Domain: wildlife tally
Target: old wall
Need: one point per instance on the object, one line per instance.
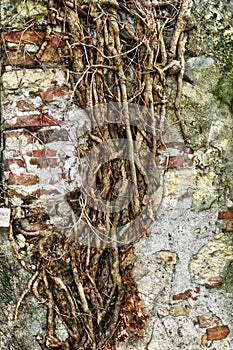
(184, 268)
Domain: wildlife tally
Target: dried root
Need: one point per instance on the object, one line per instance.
(117, 51)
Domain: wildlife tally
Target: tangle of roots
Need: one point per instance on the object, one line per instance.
(116, 51)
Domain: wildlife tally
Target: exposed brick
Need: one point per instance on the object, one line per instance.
(225, 215)
(56, 41)
(50, 153)
(29, 198)
(229, 227)
(49, 94)
(35, 153)
(9, 162)
(18, 58)
(218, 332)
(25, 106)
(205, 321)
(172, 162)
(22, 179)
(45, 162)
(33, 94)
(29, 36)
(42, 153)
(32, 121)
(182, 296)
(13, 46)
(188, 150)
(12, 134)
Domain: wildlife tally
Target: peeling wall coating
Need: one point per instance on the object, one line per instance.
(184, 268)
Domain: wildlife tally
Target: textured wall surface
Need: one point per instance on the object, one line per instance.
(184, 269)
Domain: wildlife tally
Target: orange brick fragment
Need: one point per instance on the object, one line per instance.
(229, 227)
(218, 332)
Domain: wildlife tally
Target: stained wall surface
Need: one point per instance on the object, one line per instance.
(184, 269)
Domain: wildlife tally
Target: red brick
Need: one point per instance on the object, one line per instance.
(28, 36)
(50, 153)
(229, 227)
(33, 94)
(42, 153)
(182, 296)
(172, 162)
(188, 150)
(36, 153)
(17, 134)
(225, 215)
(10, 162)
(44, 162)
(49, 94)
(25, 106)
(18, 58)
(23, 179)
(13, 47)
(218, 332)
(56, 41)
(205, 321)
(32, 121)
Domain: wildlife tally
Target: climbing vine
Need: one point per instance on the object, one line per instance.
(115, 52)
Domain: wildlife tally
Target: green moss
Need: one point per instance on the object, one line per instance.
(224, 88)
(32, 9)
(227, 276)
(19, 14)
(215, 33)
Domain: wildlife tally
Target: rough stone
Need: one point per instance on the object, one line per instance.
(29, 78)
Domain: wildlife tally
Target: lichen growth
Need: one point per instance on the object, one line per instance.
(215, 32)
(23, 14)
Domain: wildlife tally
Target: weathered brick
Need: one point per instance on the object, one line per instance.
(188, 150)
(182, 296)
(49, 94)
(42, 153)
(11, 136)
(225, 215)
(229, 227)
(18, 58)
(11, 162)
(210, 320)
(22, 179)
(13, 46)
(29, 36)
(25, 106)
(32, 121)
(56, 40)
(44, 162)
(172, 162)
(218, 332)
(189, 293)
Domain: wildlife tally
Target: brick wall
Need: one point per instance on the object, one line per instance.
(37, 103)
(41, 166)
